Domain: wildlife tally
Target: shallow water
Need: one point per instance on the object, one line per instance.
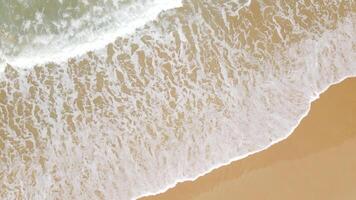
(39, 31)
(203, 84)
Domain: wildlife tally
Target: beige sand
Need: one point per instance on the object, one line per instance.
(318, 161)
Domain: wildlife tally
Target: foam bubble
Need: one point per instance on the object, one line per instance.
(78, 36)
(202, 86)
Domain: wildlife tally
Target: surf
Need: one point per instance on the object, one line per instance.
(37, 36)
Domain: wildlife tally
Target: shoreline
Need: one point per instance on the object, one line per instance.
(216, 171)
(173, 102)
(313, 99)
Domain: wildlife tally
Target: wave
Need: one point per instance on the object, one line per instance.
(205, 84)
(321, 44)
(65, 36)
(172, 185)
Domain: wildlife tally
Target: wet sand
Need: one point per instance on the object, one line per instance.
(316, 162)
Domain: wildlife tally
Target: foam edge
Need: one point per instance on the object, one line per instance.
(312, 99)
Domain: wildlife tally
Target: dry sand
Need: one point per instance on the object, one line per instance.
(318, 161)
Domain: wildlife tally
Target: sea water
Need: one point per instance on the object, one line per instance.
(40, 31)
(121, 99)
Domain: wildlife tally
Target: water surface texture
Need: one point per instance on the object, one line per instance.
(205, 83)
(39, 31)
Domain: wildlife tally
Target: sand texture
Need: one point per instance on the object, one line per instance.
(316, 162)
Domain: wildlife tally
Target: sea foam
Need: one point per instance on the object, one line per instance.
(205, 84)
(75, 37)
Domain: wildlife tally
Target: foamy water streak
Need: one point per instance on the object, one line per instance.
(41, 31)
(201, 86)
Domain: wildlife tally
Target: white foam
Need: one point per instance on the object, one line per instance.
(247, 154)
(58, 52)
(324, 42)
(261, 110)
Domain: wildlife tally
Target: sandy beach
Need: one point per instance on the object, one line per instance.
(316, 162)
(123, 99)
